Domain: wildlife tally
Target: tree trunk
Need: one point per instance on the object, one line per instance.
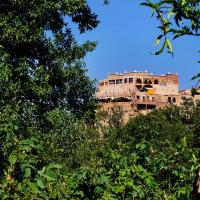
(195, 194)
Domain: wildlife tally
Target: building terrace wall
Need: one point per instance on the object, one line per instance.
(125, 84)
(140, 92)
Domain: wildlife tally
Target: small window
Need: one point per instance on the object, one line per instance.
(169, 99)
(139, 87)
(130, 80)
(125, 80)
(156, 82)
(111, 82)
(174, 100)
(138, 81)
(118, 81)
(151, 107)
(141, 107)
(101, 84)
(138, 97)
(147, 81)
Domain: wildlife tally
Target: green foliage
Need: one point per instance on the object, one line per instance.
(39, 71)
(165, 143)
(151, 157)
(45, 94)
(42, 67)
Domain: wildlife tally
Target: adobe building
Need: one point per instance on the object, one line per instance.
(135, 92)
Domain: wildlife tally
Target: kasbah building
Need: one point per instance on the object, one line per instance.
(140, 92)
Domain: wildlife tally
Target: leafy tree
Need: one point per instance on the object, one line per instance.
(165, 143)
(41, 64)
(44, 87)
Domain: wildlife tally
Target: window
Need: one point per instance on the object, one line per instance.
(169, 99)
(118, 81)
(151, 107)
(156, 82)
(139, 87)
(141, 107)
(125, 80)
(111, 82)
(138, 97)
(101, 84)
(147, 81)
(174, 100)
(138, 81)
(130, 80)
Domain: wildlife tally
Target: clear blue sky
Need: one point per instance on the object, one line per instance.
(126, 37)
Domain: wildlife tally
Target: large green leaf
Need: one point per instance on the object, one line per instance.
(12, 158)
(34, 187)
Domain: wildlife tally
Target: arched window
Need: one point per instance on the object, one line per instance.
(130, 80)
(174, 100)
(138, 80)
(149, 82)
(139, 87)
(156, 82)
(169, 99)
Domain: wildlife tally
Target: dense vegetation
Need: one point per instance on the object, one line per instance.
(49, 133)
(152, 157)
